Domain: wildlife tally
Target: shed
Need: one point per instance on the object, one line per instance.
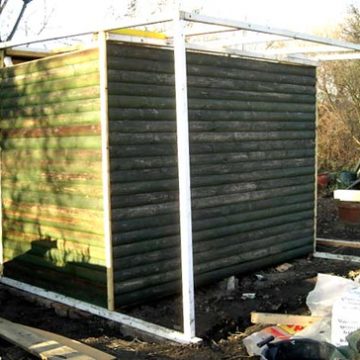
(119, 183)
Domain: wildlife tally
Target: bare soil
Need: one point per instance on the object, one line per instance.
(223, 317)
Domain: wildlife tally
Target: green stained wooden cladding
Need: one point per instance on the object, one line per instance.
(252, 151)
(51, 174)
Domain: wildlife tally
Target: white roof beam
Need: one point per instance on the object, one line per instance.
(240, 25)
(304, 50)
(123, 25)
(336, 57)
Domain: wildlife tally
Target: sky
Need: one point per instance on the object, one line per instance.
(72, 15)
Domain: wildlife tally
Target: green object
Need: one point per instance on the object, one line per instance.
(346, 178)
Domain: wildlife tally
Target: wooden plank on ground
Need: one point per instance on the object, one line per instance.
(338, 243)
(40, 344)
(76, 345)
(284, 319)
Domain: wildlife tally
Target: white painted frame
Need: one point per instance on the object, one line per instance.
(183, 157)
(179, 41)
(138, 324)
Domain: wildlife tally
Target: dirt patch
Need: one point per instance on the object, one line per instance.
(222, 316)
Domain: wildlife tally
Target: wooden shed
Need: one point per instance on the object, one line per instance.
(125, 177)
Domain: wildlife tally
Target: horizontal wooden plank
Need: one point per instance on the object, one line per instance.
(142, 77)
(62, 155)
(203, 259)
(165, 208)
(271, 202)
(84, 118)
(167, 137)
(52, 210)
(170, 264)
(133, 52)
(93, 226)
(170, 242)
(133, 126)
(154, 232)
(208, 169)
(142, 162)
(200, 216)
(63, 237)
(48, 166)
(59, 131)
(249, 196)
(211, 276)
(52, 62)
(56, 188)
(207, 115)
(121, 101)
(122, 88)
(260, 252)
(156, 66)
(62, 200)
(249, 64)
(21, 99)
(53, 109)
(58, 251)
(66, 71)
(50, 85)
(127, 150)
(58, 143)
(124, 201)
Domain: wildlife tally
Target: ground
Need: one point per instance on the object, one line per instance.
(223, 317)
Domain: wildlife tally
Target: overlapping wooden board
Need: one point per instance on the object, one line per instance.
(47, 345)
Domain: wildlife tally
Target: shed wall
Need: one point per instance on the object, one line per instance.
(252, 144)
(51, 175)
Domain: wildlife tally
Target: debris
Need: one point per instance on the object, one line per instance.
(271, 318)
(232, 284)
(260, 277)
(255, 342)
(283, 267)
(248, 296)
(332, 332)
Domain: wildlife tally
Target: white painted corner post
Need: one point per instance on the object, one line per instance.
(183, 153)
(105, 168)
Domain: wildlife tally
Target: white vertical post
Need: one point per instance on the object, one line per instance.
(182, 126)
(105, 168)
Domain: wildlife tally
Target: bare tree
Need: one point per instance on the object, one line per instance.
(3, 5)
(339, 90)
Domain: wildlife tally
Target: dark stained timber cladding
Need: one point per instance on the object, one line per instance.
(51, 175)
(252, 144)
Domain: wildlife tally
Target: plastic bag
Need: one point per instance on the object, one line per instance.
(327, 290)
